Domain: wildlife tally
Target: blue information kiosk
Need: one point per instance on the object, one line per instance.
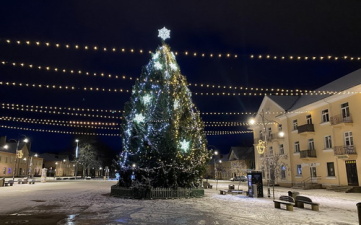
(255, 185)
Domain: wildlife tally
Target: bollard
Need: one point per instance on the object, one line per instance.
(359, 212)
(269, 192)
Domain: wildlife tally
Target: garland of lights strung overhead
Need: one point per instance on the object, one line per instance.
(292, 57)
(275, 91)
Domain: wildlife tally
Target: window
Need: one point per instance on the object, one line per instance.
(260, 134)
(295, 124)
(348, 138)
(345, 110)
(309, 119)
(297, 146)
(270, 150)
(269, 133)
(328, 142)
(325, 116)
(311, 144)
(279, 127)
(330, 169)
(299, 170)
(283, 172)
(282, 150)
(6, 159)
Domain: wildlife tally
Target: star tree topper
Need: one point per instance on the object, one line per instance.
(164, 33)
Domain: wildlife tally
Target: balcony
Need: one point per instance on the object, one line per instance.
(339, 120)
(305, 154)
(345, 152)
(306, 128)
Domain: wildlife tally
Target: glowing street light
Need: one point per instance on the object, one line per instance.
(76, 158)
(19, 153)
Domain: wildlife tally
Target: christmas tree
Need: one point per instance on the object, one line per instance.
(164, 144)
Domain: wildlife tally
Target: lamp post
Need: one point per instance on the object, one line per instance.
(76, 157)
(19, 153)
(56, 163)
(31, 175)
(262, 146)
(215, 167)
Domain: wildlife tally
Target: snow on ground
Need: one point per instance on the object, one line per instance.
(88, 202)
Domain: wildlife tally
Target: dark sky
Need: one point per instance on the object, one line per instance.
(289, 28)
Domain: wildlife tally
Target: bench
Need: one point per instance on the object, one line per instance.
(10, 183)
(237, 192)
(286, 200)
(302, 200)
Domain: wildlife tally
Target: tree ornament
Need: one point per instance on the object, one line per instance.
(139, 118)
(158, 66)
(184, 145)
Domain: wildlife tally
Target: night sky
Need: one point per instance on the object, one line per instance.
(281, 28)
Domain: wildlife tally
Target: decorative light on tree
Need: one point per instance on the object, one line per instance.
(158, 66)
(184, 145)
(146, 99)
(139, 118)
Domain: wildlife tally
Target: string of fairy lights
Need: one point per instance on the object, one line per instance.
(102, 125)
(57, 109)
(71, 111)
(108, 134)
(116, 90)
(98, 48)
(255, 91)
(54, 111)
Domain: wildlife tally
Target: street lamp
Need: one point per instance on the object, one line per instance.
(215, 166)
(262, 147)
(56, 163)
(19, 153)
(76, 157)
(31, 175)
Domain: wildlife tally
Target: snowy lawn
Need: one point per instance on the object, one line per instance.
(88, 202)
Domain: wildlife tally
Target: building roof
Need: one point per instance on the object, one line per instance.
(292, 103)
(54, 157)
(285, 102)
(242, 153)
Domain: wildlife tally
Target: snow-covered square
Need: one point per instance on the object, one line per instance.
(88, 202)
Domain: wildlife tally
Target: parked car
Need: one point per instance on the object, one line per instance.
(239, 178)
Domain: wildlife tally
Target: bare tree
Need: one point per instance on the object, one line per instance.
(88, 158)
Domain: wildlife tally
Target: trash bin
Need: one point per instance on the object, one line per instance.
(359, 212)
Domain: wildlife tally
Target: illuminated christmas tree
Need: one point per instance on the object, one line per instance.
(164, 144)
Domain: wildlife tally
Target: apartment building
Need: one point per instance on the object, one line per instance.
(16, 159)
(322, 135)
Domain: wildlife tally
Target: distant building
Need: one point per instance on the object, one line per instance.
(58, 165)
(321, 141)
(17, 160)
(236, 163)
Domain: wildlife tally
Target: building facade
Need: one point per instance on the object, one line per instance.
(238, 162)
(322, 135)
(16, 159)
